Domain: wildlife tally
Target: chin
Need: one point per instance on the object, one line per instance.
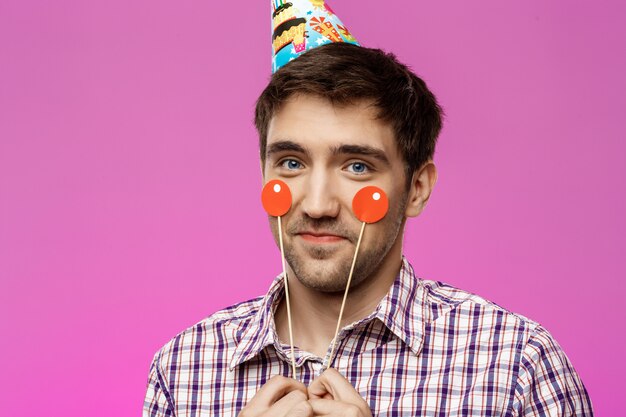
(324, 275)
(325, 268)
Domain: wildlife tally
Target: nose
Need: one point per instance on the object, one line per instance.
(319, 198)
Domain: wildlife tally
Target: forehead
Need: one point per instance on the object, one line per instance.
(319, 125)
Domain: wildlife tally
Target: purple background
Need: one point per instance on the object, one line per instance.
(129, 178)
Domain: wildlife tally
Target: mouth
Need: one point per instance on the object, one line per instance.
(320, 237)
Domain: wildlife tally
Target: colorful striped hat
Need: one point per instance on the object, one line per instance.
(300, 25)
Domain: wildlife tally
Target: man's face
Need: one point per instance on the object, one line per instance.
(326, 154)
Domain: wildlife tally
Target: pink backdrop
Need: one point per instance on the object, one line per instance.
(129, 179)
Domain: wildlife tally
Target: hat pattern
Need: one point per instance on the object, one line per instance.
(300, 25)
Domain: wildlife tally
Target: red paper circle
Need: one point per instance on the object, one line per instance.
(276, 198)
(370, 204)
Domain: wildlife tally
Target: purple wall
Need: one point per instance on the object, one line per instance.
(129, 179)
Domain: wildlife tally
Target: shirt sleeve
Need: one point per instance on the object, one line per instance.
(548, 384)
(158, 401)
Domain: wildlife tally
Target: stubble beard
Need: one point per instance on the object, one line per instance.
(332, 277)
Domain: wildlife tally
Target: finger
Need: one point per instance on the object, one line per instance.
(276, 388)
(333, 383)
(334, 408)
(293, 404)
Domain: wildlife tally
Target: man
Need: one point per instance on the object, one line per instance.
(334, 120)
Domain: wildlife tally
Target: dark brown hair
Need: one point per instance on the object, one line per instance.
(345, 74)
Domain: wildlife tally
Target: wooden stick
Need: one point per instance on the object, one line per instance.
(282, 255)
(345, 296)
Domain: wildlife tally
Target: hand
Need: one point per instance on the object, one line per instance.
(279, 397)
(332, 395)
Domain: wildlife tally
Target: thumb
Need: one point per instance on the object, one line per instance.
(320, 389)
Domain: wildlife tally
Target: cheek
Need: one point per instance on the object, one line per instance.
(389, 225)
(273, 222)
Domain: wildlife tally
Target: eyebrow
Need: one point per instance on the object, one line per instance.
(364, 150)
(285, 146)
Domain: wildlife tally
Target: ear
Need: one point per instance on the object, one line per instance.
(422, 184)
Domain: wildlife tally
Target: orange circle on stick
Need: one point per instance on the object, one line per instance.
(370, 204)
(276, 198)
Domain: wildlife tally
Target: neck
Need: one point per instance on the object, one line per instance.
(314, 314)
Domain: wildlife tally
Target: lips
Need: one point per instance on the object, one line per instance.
(320, 237)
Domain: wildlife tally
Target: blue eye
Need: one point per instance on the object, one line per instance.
(358, 168)
(291, 164)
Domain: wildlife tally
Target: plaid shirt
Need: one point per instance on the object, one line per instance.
(428, 349)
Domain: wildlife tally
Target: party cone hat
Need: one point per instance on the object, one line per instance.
(300, 25)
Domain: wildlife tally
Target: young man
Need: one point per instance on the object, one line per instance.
(336, 119)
